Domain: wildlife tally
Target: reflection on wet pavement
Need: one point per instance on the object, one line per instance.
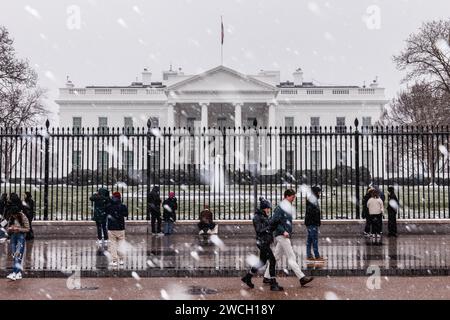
(197, 255)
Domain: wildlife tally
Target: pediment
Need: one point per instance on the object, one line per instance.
(221, 79)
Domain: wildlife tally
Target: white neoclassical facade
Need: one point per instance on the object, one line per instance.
(220, 97)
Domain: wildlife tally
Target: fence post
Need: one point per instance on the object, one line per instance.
(46, 167)
(147, 210)
(357, 174)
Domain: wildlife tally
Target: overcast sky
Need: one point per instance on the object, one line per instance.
(335, 42)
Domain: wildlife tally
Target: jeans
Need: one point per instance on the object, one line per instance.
(265, 254)
(156, 219)
(101, 227)
(313, 240)
(168, 227)
(17, 250)
(284, 247)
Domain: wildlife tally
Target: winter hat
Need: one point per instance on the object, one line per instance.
(171, 194)
(316, 189)
(264, 204)
(117, 194)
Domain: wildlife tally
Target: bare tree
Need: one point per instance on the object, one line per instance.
(20, 101)
(427, 55)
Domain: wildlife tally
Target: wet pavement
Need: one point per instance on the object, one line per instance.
(195, 256)
(331, 288)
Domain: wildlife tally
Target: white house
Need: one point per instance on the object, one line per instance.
(223, 97)
(220, 97)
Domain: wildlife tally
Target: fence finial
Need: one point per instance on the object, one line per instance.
(47, 124)
(356, 122)
(149, 123)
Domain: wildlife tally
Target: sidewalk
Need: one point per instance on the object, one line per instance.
(194, 256)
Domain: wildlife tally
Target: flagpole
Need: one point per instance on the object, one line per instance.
(221, 41)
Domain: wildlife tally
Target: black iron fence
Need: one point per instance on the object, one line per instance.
(227, 168)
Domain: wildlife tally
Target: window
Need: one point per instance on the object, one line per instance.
(128, 124)
(366, 123)
(315, 124)
(102, 160)
(76, 160)
(154, 160)
(154, 122)
(290, 161)
(315, 160)
(127, 160)
(367, 159)
(76, 123)
(340, 124)
(222, 122)
(250, 122)
(289, 122)
(341, 158)
(102, 124)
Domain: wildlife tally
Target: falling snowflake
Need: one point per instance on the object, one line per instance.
(194, 255)
(135, 275)
(33, 12)
(122, 23)
(252, 260)
(330, 295)
(244, 293)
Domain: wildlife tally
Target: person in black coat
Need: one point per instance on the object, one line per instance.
(365, 210)
(3, 204)
(28, 210)
(393, 206)
(169, 213)
(154, 207)
(312, 223)
(264, 238)
(116, 213)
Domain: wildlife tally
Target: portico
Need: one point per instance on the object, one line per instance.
(221, 97)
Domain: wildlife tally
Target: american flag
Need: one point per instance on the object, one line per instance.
(222, 34)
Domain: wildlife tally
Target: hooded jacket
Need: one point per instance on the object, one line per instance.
(116, 213)
(154, 201)
(312, 215)
(281, 220)
(263, 228)
(101, 202)
(169, 209)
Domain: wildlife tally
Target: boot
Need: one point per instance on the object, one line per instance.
(247, 279)
(274, 286)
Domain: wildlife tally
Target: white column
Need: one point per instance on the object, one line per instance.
(275, 159)
(238, 115)
(170, 115)
(272, 114)
(204, 121)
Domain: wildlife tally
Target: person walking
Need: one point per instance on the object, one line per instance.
(281, 222)
(392, 209)
(28, 210)
(376, 210)
(264, 239)
(312, 223)
(17, 228)
(116, 213)
(101, 201)
(169, 213)
(154, 203)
